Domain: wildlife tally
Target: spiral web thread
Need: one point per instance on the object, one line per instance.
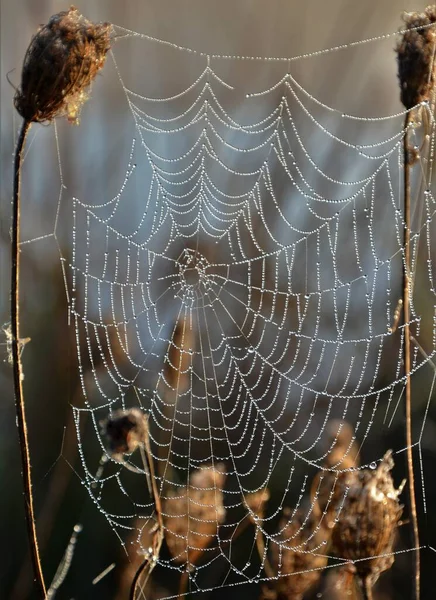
(243, 296)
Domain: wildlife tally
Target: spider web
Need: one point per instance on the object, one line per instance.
(241, 288)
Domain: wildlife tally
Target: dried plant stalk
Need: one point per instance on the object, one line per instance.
(407, 355)
(366, 528)
(17, 366)
(127, 430)
(60, 63)
(417, 75)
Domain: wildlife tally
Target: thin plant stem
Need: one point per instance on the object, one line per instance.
(144, 571)
(17, 366)
(407, 359)
(366, 587)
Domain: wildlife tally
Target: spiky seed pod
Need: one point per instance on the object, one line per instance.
(192, 515)
(62, 60)
(367, 523)
(125, 430)
(297, 555)
(416, 57)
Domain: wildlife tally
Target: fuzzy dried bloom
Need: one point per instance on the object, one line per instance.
(416, 57)
(62, 60)
(367, 523)
(125, 430)
(192, 515)
(298, 555)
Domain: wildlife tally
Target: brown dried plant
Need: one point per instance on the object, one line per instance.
(298, 555)
(367, 522)
(127, 430)
(416, 53)
(192, 514)
(416, 57)
(343, 455)
(62, 60)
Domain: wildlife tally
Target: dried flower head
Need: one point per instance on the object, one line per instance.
(62, 60)
(416, 57)
(192, 515)
(298, 556)
(125, 430)
(367, 523)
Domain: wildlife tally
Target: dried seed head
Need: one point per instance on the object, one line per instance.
(298, 555)
(367, 524)
(192, 515)
(416, 57)
(125, 430)
(62, 60)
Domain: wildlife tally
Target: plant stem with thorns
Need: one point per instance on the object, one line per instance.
(16, 363)
(407, 361)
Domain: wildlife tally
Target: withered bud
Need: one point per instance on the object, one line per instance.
(416, 57)
(125, 430)
(61, 61)
(367, 523)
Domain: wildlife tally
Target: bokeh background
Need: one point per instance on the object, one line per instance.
(359, 80)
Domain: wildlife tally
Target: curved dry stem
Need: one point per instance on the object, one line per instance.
(17, 366)
(143, 573)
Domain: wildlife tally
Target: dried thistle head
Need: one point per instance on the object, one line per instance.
(416, 57)
(192, 515)
(298, 555)
(125, 430)
(61, 61)
(367, 523)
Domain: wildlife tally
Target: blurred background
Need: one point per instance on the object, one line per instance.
(90, 168)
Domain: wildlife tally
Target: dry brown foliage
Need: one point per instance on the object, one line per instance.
(298, 555)
(192, 514)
